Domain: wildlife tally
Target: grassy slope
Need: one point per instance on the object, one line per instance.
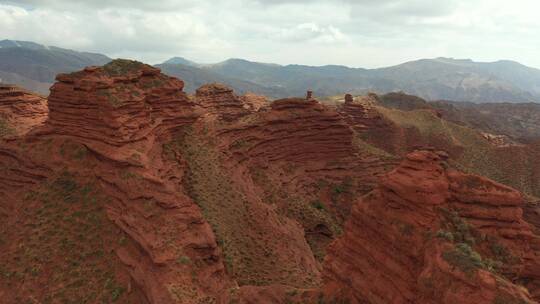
(62, 246)
(469, 149)
(249, 250)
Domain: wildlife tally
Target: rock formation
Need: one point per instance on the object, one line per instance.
(349, 99)
(301, 157)
(20, 111)
(109, 124)
(429, 234)
(117, 104)
(133, 192)
(220, 100)
(254, 102)
(361, 114)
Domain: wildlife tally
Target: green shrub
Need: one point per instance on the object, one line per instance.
(318, 205)
(447, 235)
(184, 260)
(5, 129)
(119, 67)
(465, 258)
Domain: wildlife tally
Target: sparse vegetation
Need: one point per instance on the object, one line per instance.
(249, 251)
(5, 129)
(342, 188)
(119, 67)
(63, 238)
(464, 258)
(318, 205)
(184, 260)
(152, 83)
(460, 233)
(111, 96)
(457, 229)
(506, 299)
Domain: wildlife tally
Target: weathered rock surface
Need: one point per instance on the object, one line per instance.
(254, 102)
(220, 100)
(298, 143)
(109, 124)
(134, 192)
(429, 234)
(20, 111)
(120, 103)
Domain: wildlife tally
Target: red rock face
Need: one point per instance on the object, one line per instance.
(119, 103)
(254, 102)
(300, 142)
(362, 115)
(20, 111)
(108, 126)
(251, 156)
(135, 193)
(298, 157)
(432, 235)
(220, 100)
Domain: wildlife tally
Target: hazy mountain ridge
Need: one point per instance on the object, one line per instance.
(440, 78)
(194, 77)
(34, 67)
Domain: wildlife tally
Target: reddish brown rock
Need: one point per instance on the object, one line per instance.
(348, 98)
(220, 100)
(361, 113)
(300, 130)
(118, 103)
(254, 102)
(143, 195)
(301, 157)
(20, 111)
(432, 235)
(108, 125)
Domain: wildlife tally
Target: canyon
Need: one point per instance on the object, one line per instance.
(121, 187)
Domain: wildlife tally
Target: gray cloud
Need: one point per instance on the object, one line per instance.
(93, 4)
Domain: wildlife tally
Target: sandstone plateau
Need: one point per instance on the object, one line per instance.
(121, 188)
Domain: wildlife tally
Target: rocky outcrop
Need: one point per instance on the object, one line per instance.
(20, 111)
(220, 100)
(429, 234)
(294, 131)
(500, 141)
(239, 166)
(134, 192)
(121, 102)
(254, 102)
(361, 114)
(108, 125)
(300, 157)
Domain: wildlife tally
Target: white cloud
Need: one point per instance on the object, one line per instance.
(311, 32)
(364, 33)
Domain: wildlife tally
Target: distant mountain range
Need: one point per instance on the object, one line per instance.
(34, 66)
(432, 79)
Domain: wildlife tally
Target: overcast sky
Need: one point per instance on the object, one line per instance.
(360, 33)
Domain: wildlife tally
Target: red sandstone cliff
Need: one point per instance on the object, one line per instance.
(133, 192)
(429, 234)
(108, 124)
(20, 111)
(220, 100)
